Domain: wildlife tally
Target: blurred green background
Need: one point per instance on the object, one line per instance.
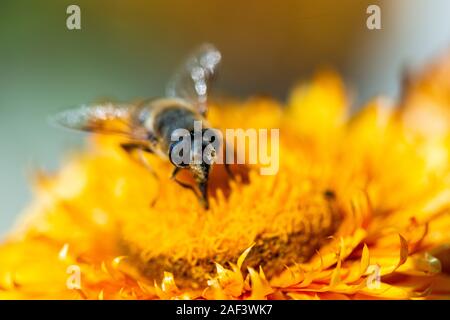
(128, 49)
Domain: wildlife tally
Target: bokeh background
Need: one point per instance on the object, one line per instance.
(128, 49)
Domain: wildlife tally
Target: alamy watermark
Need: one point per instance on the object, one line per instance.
(373, 280)
(373, 21)
(73, 21)
(73, 281)
(240, 146)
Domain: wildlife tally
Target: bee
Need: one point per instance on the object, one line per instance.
(150, 125)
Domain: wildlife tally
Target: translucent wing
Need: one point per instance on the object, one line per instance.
(193, 80)
(107, 118)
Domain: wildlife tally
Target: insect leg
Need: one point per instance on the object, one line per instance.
(225, 162)
(174, 173)
(185, 185)
(203, 186)
(146, 164)
(132, 146)
(228, 170)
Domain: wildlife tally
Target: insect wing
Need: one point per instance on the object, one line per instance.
(193, 79)
(105, 118)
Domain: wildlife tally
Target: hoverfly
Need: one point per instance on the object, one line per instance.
(149, 125)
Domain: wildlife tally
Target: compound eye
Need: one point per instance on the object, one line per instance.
(177, 155)
(210, 139)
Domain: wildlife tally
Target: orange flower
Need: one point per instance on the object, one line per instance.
(359, 209)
